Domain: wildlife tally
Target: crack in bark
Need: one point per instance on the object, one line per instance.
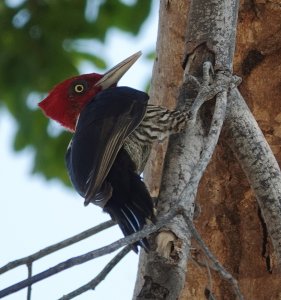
(265, 243)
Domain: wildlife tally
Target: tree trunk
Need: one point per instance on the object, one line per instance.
(230, 220)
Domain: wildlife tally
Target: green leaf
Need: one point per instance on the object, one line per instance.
(34, 57)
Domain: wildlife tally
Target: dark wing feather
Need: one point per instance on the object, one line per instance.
(101, 130)
(130, 205)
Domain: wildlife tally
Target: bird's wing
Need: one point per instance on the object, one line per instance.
(101, 130)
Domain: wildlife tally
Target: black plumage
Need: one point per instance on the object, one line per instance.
(100, 168)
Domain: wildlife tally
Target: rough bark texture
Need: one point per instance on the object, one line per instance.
(167, 76)
(230, 220)
(164, 268)
(170, 47)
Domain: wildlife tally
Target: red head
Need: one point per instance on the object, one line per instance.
(65, 102)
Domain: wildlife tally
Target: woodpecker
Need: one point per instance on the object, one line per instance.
(113, 130)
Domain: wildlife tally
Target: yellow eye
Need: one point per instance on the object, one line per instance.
(79, 88)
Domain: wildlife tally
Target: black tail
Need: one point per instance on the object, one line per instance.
(130, 205)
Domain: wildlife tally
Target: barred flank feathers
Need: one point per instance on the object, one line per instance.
(158, 124)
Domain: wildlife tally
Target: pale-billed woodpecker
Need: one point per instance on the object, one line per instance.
(113, 129)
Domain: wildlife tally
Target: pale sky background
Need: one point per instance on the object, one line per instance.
(36, 213)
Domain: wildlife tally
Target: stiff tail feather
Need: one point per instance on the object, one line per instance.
(130, 205)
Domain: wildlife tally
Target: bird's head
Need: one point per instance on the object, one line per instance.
(65, 102)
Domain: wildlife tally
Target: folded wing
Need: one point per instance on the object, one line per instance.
(101, 130)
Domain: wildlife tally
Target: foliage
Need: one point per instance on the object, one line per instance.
(39, 48)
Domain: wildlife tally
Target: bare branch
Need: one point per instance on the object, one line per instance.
(206, 90)
(248, 143)
(190, 189)
(148, 229)
(58, 246)
(29, 289)
(100, 277)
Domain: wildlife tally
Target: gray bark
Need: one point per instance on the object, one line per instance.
(162, 272)
(249, 145)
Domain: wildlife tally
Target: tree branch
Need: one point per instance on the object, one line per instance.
(148, 229)
(55, 247)
(29, 288)
(100, 277)
(248, 143)
(225, 83)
